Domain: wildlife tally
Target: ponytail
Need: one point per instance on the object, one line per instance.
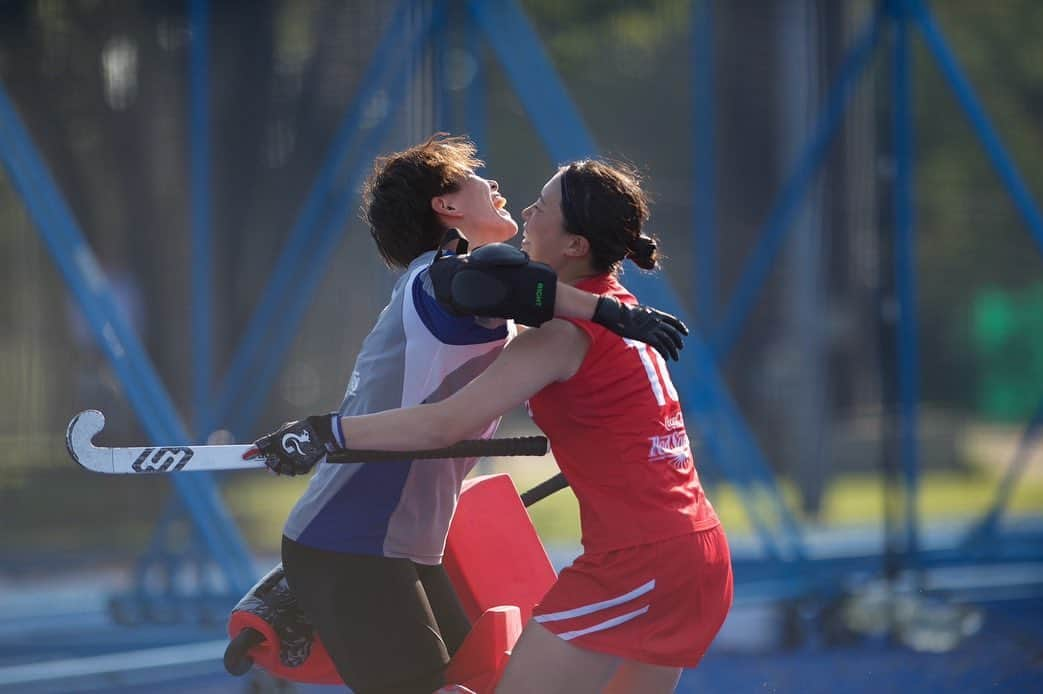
(643, 251)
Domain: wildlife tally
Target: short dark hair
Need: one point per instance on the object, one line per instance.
(396, 198)
(603, 201)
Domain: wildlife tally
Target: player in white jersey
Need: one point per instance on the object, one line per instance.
(362, 548)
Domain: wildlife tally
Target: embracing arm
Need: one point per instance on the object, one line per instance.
(533, 360)
(498, 280)
(536, 358)
(574, 303)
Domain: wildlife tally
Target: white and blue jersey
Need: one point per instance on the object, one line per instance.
(416, 353)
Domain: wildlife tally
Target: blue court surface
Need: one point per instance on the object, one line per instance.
(1005, 656)
(56, 635)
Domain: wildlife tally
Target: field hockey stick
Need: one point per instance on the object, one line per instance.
(544, 489)
(163, 459)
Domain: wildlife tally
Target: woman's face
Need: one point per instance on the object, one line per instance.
(483, 215)
(543, 234)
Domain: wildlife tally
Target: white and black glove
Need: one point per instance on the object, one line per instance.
(296, 447)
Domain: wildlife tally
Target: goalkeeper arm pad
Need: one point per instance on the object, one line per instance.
(495, 281)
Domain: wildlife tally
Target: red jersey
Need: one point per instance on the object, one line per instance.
(618, 435)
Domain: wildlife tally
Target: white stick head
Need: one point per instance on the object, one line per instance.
(82, 429)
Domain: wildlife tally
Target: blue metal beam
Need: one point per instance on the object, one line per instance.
(144, 389)
(905, 280)
(387, 67)
(520, 51)
(199, 180)
(704, 394)
(439, 45)
(983, 535)
(787, 203)
(476, 93)
(704, 247)
(979, 120)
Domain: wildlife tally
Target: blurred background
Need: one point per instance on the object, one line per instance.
(847, 196)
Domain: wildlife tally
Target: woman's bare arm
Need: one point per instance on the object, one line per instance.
(552, 352)
(571, 302)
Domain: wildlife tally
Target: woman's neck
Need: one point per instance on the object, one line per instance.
(574, 274)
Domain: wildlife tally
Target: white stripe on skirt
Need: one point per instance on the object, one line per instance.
(601, 626)
(594, 607)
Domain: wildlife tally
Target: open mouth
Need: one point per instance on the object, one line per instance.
(500, 205)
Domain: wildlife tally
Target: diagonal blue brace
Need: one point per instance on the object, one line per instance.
(979, 120)
(787, 204)
(255, 354)
(144, 389)
(558, 122)
(981, 538)
(520, 51)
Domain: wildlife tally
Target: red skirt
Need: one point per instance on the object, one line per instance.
(661, 603)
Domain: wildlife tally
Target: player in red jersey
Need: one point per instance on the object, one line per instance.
(654, 583)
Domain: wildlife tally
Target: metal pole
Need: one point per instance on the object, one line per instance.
(476, 93)
(704, 393)
(905, 280)
(704, 246)
(803, 342)
(201, 255)
(787, 203)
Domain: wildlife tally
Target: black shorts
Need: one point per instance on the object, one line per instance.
(389, 625)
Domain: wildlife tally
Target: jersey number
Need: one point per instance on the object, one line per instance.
(658, 378)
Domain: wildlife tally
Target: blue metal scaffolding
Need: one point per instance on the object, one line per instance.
(723, 434)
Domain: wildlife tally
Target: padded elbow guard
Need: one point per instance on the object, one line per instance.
(496, 281)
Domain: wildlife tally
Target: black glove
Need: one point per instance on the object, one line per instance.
(296, 447)
(661, 330)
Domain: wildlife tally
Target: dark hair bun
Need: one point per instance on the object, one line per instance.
(644, 252)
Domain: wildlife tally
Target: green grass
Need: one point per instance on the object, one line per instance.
(261, 502)
(857, 499)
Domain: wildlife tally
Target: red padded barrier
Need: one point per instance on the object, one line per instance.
(498, 567)
(481, 658)
(493, 555)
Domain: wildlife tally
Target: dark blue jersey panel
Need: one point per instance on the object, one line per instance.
(360, 510)
(450, 329)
